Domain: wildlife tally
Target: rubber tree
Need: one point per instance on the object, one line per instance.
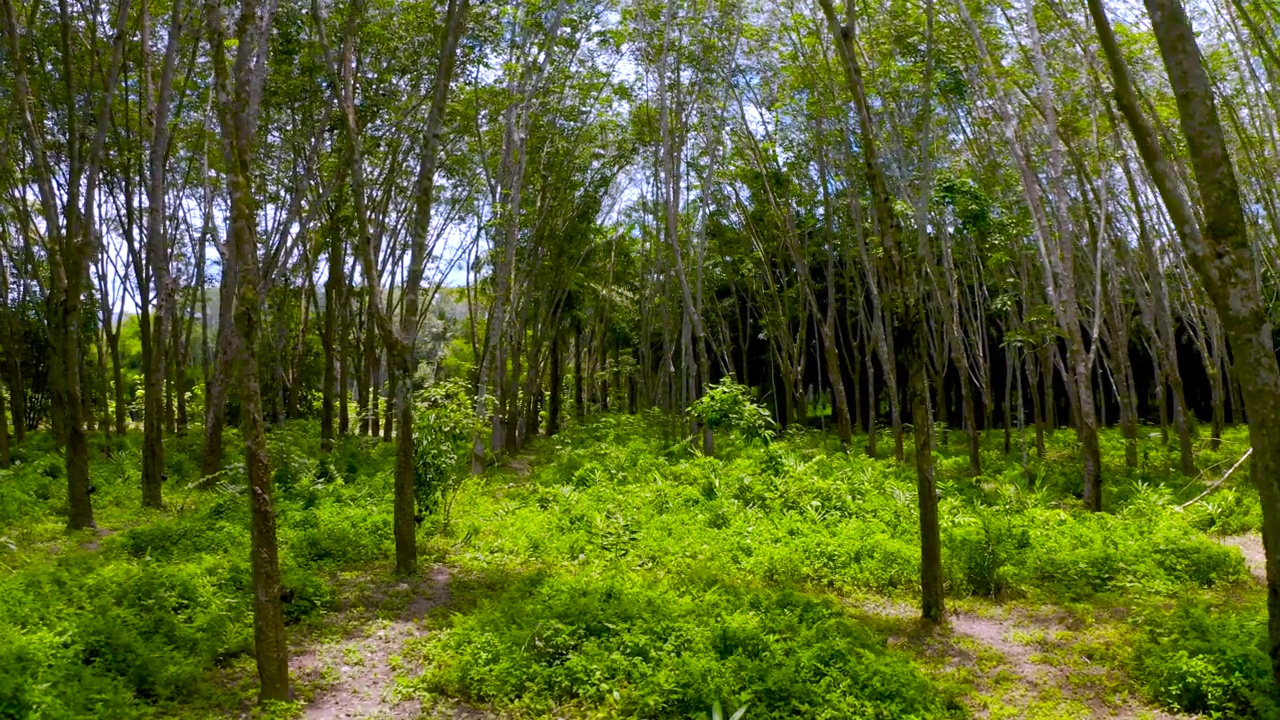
(1218, 247)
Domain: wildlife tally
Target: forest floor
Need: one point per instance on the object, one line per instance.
(615, 572)
(1016, 660)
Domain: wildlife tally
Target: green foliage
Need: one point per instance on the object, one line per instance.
(84, 638)
(625, 575)
(641, 647)
(620, 540)
(728, 404)
(444, 427)
(136, 623)
(1200, 659)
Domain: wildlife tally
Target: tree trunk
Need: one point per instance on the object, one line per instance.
(104, 391)
(332, 298)
(181, 376)
(911, 326)
(238, 99)
(578, 408)
(389, 409)
(18, 400)
(5, 460)
(215, 408)
(343, 351)
(375, 394)
(117, 381)
(556, 381)
(873, 400)
(158, 406)
(932, 602)
(1010, 370)
(1219, 251)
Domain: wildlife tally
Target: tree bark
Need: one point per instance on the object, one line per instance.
(239, 97)
(72, 238)
(215, 409)
(910, 325)
(332, 298)
(5, 459)
(1220, 251)
(556, 383)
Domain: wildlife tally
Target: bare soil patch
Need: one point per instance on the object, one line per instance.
(356, 675)
(1020, 662)
(1255, 557)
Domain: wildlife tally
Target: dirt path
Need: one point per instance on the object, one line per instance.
(356, 675)
(1250, 545)
(1030, 672)
(1018, 662)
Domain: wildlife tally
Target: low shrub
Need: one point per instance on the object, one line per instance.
(642, 647)
(1211, 661)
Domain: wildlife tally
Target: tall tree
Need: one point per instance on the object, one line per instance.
(238, 90)
(1219, 248)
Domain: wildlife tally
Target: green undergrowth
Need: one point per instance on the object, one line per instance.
(151, 616)
(602, 579)
(616, 572)
(636, 644)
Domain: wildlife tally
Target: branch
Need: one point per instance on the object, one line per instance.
(1216, 485)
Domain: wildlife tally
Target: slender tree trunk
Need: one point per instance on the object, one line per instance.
(389, 410)
(1220, 251)
(104, 389)
(671, 173)
(343, 351)
(1010, 370)
(578, 408)
(117, 381)
(401, 349)
(10, 360)
(873, 399)
(18, 396)
(375, 393)
(72, 235)
(1037, 410)
(933, 606)
(912, 325)
(556, 392)
(1161, 392)
(158, 404)
(5, 459)
(332, 299)
(215, 409)
(181, 376)
(364, 374)
(1128, 406)
(238, 100)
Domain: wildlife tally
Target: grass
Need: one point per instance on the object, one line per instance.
(619, 573)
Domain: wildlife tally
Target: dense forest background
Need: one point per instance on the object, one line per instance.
(458, 228)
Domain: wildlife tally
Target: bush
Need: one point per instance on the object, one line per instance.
(728, 404)
(1211, 661)
(979, 548)
(134, 627)
(84, 639)
(644, 648)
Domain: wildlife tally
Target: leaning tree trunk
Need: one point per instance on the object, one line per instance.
(911, 325)
(1219, 251)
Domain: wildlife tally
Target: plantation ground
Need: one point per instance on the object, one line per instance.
(614, 572)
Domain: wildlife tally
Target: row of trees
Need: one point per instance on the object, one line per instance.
(1002, 215)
